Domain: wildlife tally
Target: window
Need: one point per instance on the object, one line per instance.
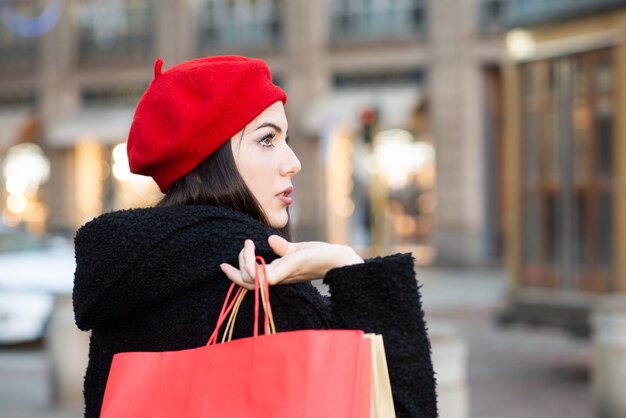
(378, 79)
(228, 24)
(112, 96)
(492, 14)
(568, 180)
(18, 100)
(354, 19)
(18, 53)
(115, 29)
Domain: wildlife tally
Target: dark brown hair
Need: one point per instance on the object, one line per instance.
(217, 182)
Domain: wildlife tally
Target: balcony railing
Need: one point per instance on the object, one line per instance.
(236, 24)
(121, 29)
(367, 19)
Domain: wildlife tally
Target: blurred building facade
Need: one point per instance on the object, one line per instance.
(565, 158)
(353, 69)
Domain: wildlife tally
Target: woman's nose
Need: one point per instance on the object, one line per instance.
(292, 165)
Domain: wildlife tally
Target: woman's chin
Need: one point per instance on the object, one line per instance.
(279, 219)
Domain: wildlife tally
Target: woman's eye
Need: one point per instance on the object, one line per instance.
(266, 141)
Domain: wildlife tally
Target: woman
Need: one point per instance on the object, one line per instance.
(212, 133)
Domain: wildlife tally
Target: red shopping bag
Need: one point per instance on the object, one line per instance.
(308, 373)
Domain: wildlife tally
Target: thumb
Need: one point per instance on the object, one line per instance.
(280, 245)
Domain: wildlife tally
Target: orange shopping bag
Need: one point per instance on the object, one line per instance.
(308, 373)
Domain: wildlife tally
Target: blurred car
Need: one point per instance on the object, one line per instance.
(32, 273)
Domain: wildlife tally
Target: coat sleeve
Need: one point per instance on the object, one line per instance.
(382, 296)
(112, 286)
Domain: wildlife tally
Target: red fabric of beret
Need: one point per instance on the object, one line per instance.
(190, 110)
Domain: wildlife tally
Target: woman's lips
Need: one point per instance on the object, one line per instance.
(284, 196)
(286, 200)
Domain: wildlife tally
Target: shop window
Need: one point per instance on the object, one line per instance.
(115, 29)
(224, 24)
(605, 226)
(532, 251)
(363, 19)
(567, 181)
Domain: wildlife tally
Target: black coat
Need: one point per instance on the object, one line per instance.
(149, 280)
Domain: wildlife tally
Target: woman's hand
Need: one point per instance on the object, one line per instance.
(298, 262)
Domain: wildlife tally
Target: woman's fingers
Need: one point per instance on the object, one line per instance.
(250, 257)
(246, 261)
(287, 269)
(235, 275)
(273, 272)
(244, 276)
(242, 263)
(281, 246)
(296, 262)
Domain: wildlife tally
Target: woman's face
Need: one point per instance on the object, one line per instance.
(267, 163)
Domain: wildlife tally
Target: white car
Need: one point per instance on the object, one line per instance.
(30, 279)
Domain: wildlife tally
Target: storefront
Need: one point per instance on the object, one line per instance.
(565, 160)
(379, 168)
(91, 147)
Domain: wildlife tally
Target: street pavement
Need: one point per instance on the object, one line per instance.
(517, 372)
(512, 373)
(25, 386)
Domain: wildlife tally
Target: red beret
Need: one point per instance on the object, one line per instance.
(190, 110)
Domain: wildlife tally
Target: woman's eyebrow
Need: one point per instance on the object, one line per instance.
(269, 125)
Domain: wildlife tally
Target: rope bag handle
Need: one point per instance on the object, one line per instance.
(230, 308)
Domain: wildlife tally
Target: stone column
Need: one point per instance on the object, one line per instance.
(176, 31)
(68, 350)
(456, 94)
(450, 364)
(307, 75)
(59, 91)
(59, 97)
(608, 372)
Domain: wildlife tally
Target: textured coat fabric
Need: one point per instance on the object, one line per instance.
(149, 280)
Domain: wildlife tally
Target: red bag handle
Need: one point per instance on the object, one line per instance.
(229, 303)
(264, 289)
(226, 308)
